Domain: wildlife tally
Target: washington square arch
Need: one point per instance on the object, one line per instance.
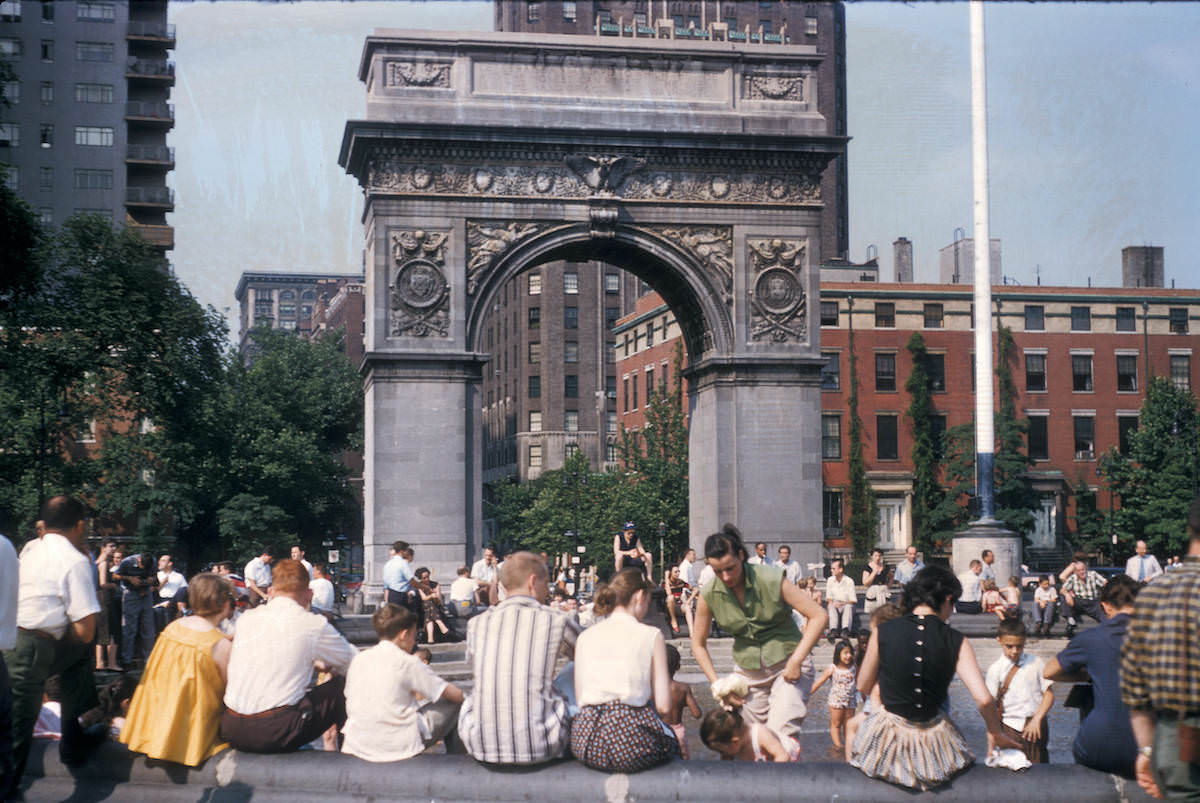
(695, 166)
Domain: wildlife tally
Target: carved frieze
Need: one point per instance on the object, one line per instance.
(711, 246)
(419, 297)
(604, 174)
(773, 87)
(417, 74)
(488, 240)
(778, 302)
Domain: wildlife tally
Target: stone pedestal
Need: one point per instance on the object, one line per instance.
(969, 545)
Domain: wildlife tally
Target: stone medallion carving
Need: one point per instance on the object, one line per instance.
(422, 177)
(778, 303)
(711, 246)
(482, 179)
(774, 87)
(488, 240)
(419, 299)
(417, 74)
(543, 182)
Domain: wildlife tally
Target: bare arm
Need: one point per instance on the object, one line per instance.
(452, 693)
(824, 676)
(1143, 732)
(699, 638)
(1033, 730)
(1054, 671)
(659, 678)
(220, 655)
(769, 743)
(868, 673)
(972, 678)
(85, 629)
(693, 706)
(817, 620)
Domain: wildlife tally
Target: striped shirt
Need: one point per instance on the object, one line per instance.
(1160, 662)
(514, 715)
(1087, 588)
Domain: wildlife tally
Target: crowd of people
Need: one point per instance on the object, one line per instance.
(267, 672)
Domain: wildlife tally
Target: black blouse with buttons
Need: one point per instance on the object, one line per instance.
(917, 659)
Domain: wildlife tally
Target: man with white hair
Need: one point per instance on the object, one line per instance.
(1142, 567)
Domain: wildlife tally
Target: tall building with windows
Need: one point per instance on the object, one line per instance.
(89, 110)
(300, 302)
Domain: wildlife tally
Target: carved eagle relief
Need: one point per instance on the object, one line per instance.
(604, 173)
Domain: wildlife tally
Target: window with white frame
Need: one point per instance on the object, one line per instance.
(535, 420)
(94, 136)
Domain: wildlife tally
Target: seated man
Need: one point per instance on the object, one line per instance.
(971, 600)
(270, 709)
(841, 596)
(516, 715)
(322, 590)
(462, 593)
(395, 705)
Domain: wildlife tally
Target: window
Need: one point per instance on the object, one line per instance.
(610, 425)
(610, 353)
(535, 455)
(93, 51)
(46, 135)
(535, 420)
(47, 11)
(287, 309)
(571, 449)
(12, 91)
(569, 10)
(10, 11)
(93, 93)
(831, 510)
(610, 453)
(612, 283)
(1181, 371)
(535, 387)
(94, 135)
(1081, 372)
(888, 447)
(831, 371)
(885, 372)
(662, 380)
(10, 48)
(1127, 373)
(650, 335)
(625, 395)
(570, 317)
(47, 50)
(1081, 319)
(571, 386)
(104, 213)
(937, 434)
(571, 283)
(831, 436)
(649, 384)
(47, 93)
(89, 433)
(287, 324)
(610, 387)
(10, 177)
(885, 315)
(1039, 437)
(810, 26)
(46, 216)
(93, 179)
(1178, 317)
(287, 295)
(611, 314)
(571, 351)
(535, 317)
(765, 25)
(571, 421)
(535, 284)
(634, 400)
(1126, 319)
(1035, 318)
(533, 11)
(829, 313)
(10, 135)
(1126, 425)
(94, 12)
(1085, 437)
(937, 373)
(1035, 373)
(934, 314)
(535, 353)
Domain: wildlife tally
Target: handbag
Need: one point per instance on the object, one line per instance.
(999, 701)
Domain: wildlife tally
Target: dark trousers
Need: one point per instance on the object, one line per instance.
(408, 600)
(1081, 608)
(34, 659)
(968, 607)
(137, 626)
(6, 731)
(291, 727)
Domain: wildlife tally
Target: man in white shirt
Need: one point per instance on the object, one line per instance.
(395, 705)
(268, 706)
(840, 598)
(258, 576)
(170, 583)
(971, 600)
(462, 592)
(322, 590)
(1023, 694)
(484, 573)
(56, 622)
(8, 639)
(1142, 566)
(908, 568)
(687, 567)
(759, 558)
(791, 569)
(298, 554)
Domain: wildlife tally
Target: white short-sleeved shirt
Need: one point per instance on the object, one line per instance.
(840, 590)
(383, 721)
(612, 661)
(1024, 693)
(259, 572)
(686, 572)
(480, 570)
(307, 567)
(462, 589)
(9, 570)
(322, 599)
(169, 584)
(57, 585)
(1047, 595)
(972, 586)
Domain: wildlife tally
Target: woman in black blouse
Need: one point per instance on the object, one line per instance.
(912, 742)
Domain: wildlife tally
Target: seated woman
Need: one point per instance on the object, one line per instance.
(620, 669)
(675, 587)
(911, 741)
(177, 707)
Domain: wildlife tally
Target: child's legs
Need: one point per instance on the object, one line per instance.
(837, 724)
(851, 729)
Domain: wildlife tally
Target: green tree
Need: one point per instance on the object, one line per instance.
(927, 492)
(1090, 533)
(864, 514)
(1158, 478)
(1015, 498)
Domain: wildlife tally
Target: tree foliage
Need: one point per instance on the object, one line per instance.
(1158, 479)
(864, 513)
(927, 492)
(1090, 534)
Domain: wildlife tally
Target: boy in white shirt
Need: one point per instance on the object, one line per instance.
(1022, 694)
(1045, 606)
(385, 720)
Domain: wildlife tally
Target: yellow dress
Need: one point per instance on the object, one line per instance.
(176, 709)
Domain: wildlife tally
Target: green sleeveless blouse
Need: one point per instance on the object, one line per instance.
(764, 632)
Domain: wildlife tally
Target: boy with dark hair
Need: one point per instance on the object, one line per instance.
(1022, 695)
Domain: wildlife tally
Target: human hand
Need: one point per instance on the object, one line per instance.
(1144, 774)
(1033, 730)
(791, 672)
(1003, 741)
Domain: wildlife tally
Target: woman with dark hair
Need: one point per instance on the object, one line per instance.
(911, 741)
(754, 604)
(622, 684)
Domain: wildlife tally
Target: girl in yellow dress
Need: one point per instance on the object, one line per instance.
(177, 707)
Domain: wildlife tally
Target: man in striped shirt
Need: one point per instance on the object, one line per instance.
(514, 714)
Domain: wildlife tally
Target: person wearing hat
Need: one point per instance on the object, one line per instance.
(629, 552)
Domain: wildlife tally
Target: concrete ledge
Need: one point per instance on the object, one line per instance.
(116, 774)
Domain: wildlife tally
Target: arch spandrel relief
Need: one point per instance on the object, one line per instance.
(775, 290)
(419, 294)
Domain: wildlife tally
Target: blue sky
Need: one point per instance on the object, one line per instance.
(1093, 112)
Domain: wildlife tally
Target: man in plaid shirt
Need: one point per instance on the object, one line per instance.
(1081, 592)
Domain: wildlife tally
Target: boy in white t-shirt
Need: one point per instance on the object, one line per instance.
(1024, 695)
(1045, 606)
(385, 720)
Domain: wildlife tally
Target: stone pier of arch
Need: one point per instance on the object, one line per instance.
(695, 166)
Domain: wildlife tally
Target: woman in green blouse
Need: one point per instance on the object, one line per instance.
(754, 604)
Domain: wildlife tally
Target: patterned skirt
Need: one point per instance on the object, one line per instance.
(917, 755)
(615, 737)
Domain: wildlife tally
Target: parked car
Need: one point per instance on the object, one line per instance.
(1030, 579)
(1108, 572)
